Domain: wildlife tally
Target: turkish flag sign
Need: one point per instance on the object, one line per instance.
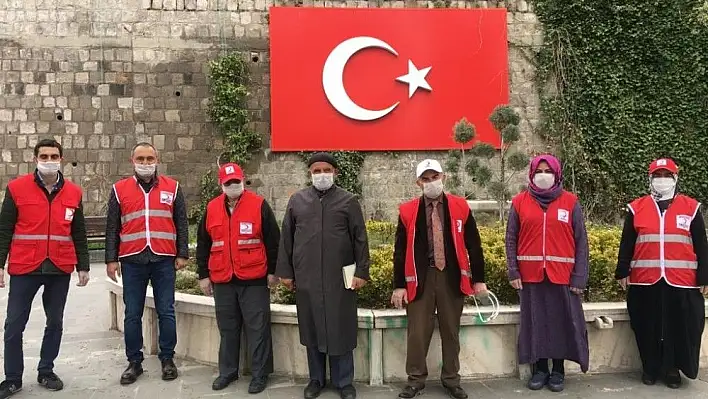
(377, 79)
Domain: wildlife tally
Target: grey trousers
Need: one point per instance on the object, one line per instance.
(244, 308)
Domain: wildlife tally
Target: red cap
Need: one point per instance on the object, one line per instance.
(663, 163)
(230, 171)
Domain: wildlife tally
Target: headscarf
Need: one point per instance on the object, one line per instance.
(545, 197)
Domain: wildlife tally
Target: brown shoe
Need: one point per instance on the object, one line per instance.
(411, 391)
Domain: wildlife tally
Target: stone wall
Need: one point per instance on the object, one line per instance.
(102, 75)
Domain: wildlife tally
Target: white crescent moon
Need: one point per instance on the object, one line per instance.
(333, 78)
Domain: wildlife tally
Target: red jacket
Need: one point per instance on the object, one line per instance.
(546, 240)
(237, 242)
(664, 247)
(147, 218)
(459, 211)
(43, 229)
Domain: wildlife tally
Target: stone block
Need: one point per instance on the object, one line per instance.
(103, 90)
(20, 115)
(82, 78)
(48, 102)
(125, 102)
(185, 143)
(5, 115)
(28, 128)
(72, 128)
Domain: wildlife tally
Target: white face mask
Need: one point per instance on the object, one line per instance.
(233, 191)
(433, 189)
(544, 181)
(145, 170)
(48, 168)
(663, 188)
(323, 181)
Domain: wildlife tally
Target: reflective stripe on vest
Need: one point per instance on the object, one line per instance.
(669, 264)
(139, 214)
(217, 244)
(153, 234)
(548, 258)
(34, 237)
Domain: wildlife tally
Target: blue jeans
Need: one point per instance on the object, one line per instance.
(23, 288)
(135, 281)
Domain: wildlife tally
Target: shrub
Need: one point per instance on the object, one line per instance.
(603, 241)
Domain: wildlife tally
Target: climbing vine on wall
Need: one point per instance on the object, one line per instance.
(349, 165)
(623, 83)
(229, 79)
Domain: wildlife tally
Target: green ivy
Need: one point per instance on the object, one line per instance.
(349, 165)
(629, 84)
(229, 80)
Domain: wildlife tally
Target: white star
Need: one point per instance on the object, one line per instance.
(415, 78)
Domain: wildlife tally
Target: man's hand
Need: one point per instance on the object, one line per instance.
(358, 283)
(113, 270)
(399, 297)
(2, 278)
(576, 291)
(288, 283)
(205, 285)
(479, 288)
(272, 281)
(623, 283)
(83, 278)
(704, 289)
(180, 263)
(517, 284)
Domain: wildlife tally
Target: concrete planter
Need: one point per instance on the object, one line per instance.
(488, 350)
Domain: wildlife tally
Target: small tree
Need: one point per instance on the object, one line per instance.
(463, 132)
(506, 121)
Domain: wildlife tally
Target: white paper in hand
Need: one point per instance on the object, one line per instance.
(348, 275)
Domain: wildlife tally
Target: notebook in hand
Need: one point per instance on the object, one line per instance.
(348, 275)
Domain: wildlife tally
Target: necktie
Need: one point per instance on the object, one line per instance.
(438, 243)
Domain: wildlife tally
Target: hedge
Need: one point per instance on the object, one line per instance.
(604, 244)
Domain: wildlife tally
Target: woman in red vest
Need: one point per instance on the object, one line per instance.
(547, 257)
(662, 257)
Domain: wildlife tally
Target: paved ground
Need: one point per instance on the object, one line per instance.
(92, 359)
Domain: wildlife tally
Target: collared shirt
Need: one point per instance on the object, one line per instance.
(113, 225)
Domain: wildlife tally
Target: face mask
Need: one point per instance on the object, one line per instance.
(323, 181)
(544, 181)
(663, 188)
(433, 189)
(145, 170)
(233, 191)
(48, 168)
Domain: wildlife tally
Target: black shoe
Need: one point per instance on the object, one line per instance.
(9, 388)
(313, 389)
(50, 381)
(131, 374)
(673, 379)
(456, 392)
(223, 382)
(411, 392)
(648, 379)
(556, 383)
(538, 380)
(257, 385)
(348, 392)
(169, 370)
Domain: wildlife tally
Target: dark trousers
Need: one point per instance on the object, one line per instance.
(558, 365)
(135, 282)
(246, 308)
(19, 304)
(437, 294)
(341, 368)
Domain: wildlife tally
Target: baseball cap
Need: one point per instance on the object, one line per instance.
(428, 164)
(230, 171)
(663, 163)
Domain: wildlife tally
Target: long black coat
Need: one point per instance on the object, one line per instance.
(322, 233)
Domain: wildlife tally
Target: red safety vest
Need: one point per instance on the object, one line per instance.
(546, 240)
(459, 212)
(147, 218)
(664, 247)
(237, 242)
(43, 229)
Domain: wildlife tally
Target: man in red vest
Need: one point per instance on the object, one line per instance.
(147, 240)
(237, 250)
(43, 239)
(437, 262)
(663, 258)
